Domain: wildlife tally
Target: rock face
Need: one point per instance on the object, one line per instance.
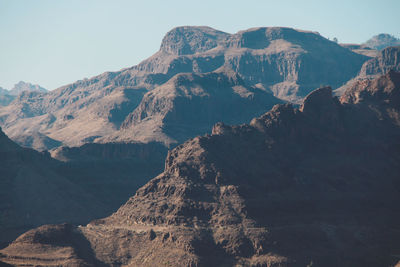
(285, 62)
(295, 187)
(189, 104)
(382, 41)
(388, 59)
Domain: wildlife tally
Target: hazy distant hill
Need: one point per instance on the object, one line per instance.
(282, 62)
(24, 86)
(7, 96)
(382, 41)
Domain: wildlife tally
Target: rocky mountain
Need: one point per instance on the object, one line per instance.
(189, 104)
(315, 185)
(285, 62)
(75, 185)
(388, 59)
(7, 96)
(382, 41)
(24, 86)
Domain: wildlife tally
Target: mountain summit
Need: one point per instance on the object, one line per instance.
(382, 41)
(24, 86)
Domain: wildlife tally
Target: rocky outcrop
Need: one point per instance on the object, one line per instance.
(388, 59)
(285, 62)
(315, 185)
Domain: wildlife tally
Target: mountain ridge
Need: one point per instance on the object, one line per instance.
(277, 60)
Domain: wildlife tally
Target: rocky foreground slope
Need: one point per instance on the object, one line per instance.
(318, 185)
(284, 62)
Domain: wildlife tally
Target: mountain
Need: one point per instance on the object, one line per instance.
(189, 104)
(24, 86)
(7, 96)
(33, 193)
(382, 41)
(75, 185)
(388, 59)
(284, 62)
(315, 185)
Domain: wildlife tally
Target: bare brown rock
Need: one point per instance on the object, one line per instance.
(387, 60)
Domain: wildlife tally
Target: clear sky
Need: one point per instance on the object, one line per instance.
(55, 42)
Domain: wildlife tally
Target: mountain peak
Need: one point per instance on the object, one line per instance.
(186, 40)
(25, 86)
(382, 41)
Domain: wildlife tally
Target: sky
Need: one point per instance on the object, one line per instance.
(56, 42)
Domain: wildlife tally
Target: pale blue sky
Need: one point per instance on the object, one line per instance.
(55, 42)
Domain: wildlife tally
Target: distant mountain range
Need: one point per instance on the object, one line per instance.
(7, 96)
(315, 185)
(255, 68)
(21, 87)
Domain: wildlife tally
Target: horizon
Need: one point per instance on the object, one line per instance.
(57, 43)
